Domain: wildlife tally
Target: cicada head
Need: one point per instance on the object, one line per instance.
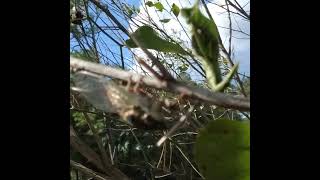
(138, 118)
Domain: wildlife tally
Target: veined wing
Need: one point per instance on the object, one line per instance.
(94, 89)
(109, 97)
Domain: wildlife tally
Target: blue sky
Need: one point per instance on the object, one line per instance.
(241, 46)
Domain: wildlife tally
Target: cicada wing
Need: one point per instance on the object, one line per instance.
(94, 91)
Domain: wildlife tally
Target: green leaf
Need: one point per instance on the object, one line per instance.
(222, 150)
(225, 83)
(175, 9)
(149, 39)
(205, 42)
(149, 3)
(159, 6)
(165, 20)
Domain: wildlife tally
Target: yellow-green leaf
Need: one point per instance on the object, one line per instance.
(222, 150)
(175, 9)
(159, 6)
(205, 42)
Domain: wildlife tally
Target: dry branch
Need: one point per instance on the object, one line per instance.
(80, 146)
(215, 98)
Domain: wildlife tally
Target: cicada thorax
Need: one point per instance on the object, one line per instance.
(134, 109)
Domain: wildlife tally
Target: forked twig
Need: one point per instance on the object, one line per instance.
(176, 126)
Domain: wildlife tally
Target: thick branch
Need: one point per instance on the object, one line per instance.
(88, 171)
(80, 146)
(219, 99)
(240, 9)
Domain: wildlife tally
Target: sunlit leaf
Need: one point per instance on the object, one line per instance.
(149, 39)
(205, 42)
(159, 6)
(175, 9)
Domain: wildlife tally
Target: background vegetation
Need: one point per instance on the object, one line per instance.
(102, 147)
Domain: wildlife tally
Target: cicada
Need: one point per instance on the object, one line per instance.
(134, 109)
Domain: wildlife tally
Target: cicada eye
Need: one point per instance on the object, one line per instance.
(129, 119)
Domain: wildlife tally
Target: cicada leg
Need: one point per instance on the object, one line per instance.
(136, 86)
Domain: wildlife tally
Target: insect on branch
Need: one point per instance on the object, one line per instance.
(213, 98)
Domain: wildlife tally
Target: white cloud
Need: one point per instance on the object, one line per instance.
(174, 28)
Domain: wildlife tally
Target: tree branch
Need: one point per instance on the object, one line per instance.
(215, 98)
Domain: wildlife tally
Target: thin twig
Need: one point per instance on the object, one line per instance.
(235, 30)
(245, 114)
(94, 42)
(239, 8)
(186, 158)
(162, 151)
(146, 158)
(109, 138)
(104, 32)
(83, 110)
(170, 157)
(165, 73)
(98, 140)
(145, 65)
(176, 126)
(230, 27)
(121, 55)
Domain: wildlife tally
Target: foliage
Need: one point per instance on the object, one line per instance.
(212, 143)
(149, 38)
(175, 9)
(157, 5)
(223, 150)
(205, 41)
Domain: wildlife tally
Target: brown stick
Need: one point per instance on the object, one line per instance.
(215, 98)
